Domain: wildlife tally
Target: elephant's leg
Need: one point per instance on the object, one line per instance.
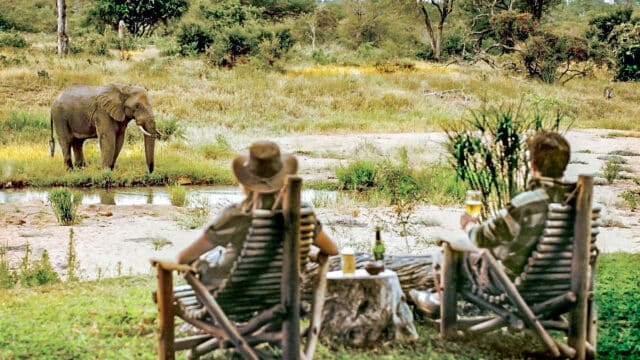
(78, 154)
(119, 142)
(66, 153)
(107, 148)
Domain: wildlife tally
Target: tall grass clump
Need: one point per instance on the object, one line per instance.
(73, 264)
(488, 151)
(177, 194)
(611, 170)
(220, 149)
(8, 277)
(38, 272)
(65, 205)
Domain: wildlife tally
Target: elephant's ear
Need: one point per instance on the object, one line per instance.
(111, 100)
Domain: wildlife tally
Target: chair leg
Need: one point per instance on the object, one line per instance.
(317, 307)
(165, 314)
(448, 304)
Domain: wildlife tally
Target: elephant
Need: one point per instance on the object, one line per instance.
(83, 112)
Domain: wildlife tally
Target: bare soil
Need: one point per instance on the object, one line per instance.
(118, 240)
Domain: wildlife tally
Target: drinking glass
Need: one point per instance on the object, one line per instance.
(473, 203)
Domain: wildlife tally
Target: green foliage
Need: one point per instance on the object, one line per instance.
(73, 263)
(357, 175)
(602, 26)
(197, 213)
(618, 302)
(13, 40)
(627, 52)
(611, 171)
(280, 9)
(177, 194)
(631, 197)
(37, 273)
(549, 57)
(234, 33)
(488, 152)
(400, 183)
(193, 39)
(65, 205)
(8, 277)
(141, 17)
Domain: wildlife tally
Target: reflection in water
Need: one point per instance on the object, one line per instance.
(149, 195)
(107, 197)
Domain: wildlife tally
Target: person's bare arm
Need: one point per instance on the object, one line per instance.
(194, 250)
(325, 244)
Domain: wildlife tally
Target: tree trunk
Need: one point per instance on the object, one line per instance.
(361, 310)
(63, 39)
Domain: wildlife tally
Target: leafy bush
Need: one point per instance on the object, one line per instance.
(38, 273)
(13, 40)
(549, 57)
(611, 171)
(601, 26)
(627, 52)
(65, 205)
(488, 152)
(358, 175)
(141, 17)
(631, 198)
(193, 39)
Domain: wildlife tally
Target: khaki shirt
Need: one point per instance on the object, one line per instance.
(514, 232)
(227, 232)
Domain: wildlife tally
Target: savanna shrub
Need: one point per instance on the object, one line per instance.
(549, 57)
(627, 52)
(358, 175)
(65, 205)
(13, 40)
(488, 152)
(193, 39)
(601, 26)
(177, 194)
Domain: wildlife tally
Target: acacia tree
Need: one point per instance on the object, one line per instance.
(63, 38)
(142, 17)
(443, 8)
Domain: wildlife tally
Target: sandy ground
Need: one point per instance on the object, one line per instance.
(113, 240)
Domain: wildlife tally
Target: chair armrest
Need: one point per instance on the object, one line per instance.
(457, 240)
(171, 266)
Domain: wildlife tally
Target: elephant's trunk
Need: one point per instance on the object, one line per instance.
(149, 146)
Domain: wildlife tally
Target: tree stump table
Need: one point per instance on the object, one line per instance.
(362, 309)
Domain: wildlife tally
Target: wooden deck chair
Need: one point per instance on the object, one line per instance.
(260, 300)
(555, 291)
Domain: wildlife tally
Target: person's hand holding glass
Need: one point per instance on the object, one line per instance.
(473, 208)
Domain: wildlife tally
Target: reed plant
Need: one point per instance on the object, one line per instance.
(65, 205)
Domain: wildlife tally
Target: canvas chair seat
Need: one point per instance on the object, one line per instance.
(554, 291)
(252, 297)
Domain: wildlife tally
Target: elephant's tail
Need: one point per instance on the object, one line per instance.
(52, 143)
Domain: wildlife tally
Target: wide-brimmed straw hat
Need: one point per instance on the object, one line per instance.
(264, 170)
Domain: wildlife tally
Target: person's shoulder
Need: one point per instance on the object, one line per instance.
(529, 198)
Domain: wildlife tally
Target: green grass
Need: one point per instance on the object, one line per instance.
(116, 319)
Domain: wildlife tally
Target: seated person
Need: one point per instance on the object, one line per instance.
(261, 176)
(513, 233)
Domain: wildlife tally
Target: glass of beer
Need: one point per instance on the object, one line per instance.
(348, 261)
(473, 203)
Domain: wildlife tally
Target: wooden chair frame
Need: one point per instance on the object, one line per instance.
(541, 315)
(243, 337)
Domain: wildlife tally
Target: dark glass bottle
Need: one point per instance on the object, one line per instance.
(378, 247)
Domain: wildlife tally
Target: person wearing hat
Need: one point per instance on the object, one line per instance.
(261, 176)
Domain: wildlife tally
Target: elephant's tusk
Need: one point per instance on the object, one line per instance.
(145, 131)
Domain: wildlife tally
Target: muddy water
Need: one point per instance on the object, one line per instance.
(148, 195)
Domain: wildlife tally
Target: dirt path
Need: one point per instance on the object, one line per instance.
(113, 240)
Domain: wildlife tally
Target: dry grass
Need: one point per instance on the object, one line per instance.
(314, 99)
